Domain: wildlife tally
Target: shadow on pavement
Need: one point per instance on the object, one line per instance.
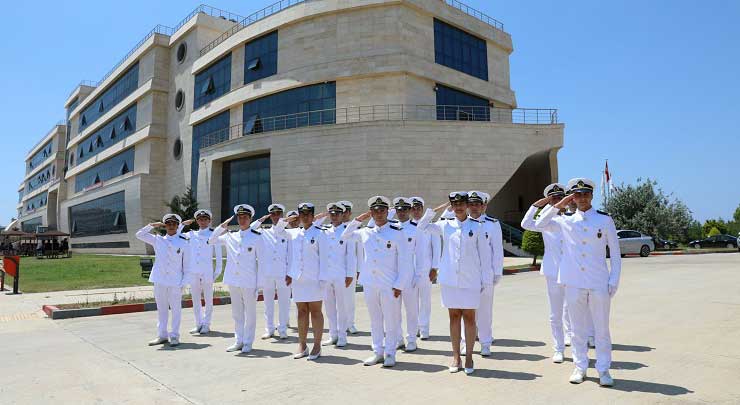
(185, 346)
(516, 356)
(214, 333)
(422, 367)
(345, 361)
(517, 343)
(504, 375)
(272, 354)
(631, 348)
(647, 387)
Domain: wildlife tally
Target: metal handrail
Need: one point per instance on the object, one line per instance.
(475, 13)
(511, 234)
(251, 19)
(210, 10)
(387, 112)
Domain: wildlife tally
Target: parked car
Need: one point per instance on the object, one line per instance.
(716, 241)
(634, 242)
(661, 243)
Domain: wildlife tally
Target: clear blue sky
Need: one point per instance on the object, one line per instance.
(653, 86)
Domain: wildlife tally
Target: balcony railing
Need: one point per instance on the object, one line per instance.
(475, 13)
(388, 112)
(212, 11)
(251, 19)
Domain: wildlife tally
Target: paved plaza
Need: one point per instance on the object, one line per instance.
(675, 328)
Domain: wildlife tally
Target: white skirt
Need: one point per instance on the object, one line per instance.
(307, 290)
(460, 298)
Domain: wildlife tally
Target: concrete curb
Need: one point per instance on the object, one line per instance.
(522, 270)
(683, 253)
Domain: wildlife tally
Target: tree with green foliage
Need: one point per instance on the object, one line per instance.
(646, 208)
(695, 231)
(714, 231)
(185, 206)
(710, 224)
(533, 244)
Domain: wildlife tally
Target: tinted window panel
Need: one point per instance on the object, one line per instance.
(102, 216)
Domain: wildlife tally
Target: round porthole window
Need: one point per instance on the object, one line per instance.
(179, 100)
(177, 149)
(182, 51)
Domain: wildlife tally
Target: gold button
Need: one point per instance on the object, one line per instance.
(583, 254)
(584, 242)
(583, 269)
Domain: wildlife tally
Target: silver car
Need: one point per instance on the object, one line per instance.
(634, 242)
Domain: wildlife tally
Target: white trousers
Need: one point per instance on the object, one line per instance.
(484, 317)
(410, 301)
(350, 301)
(583, 302)
(244, 312)
(560, 324)
(271, 286)
(425, 303)
(335, 302)
(200, 285)
(168, 297)
(385, 311)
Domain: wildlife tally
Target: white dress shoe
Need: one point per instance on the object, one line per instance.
(352, 330)
(454, 369)
(330, 342)
(246, 349)
(266, 335)
(423, 335)
(373, 360)
(557, 357)
(591, 342)
(390, 361)
(174, 341)
(411, 347)
(577, 377)
(567, 340)
(301, 355)
(195, 330)
(235, 347)
(485, 350)
(605, 379)
(204, 329)
(342, 341)
(401, 344)
(157, 341)
(283, 335)
(314, 356)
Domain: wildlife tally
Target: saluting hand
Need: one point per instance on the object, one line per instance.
(364, 216)
(225, 224)
(188, 222)
(321, 215)
(542, 202)
(441, 207)
(264, 218)
(563, 204)
(156, 224)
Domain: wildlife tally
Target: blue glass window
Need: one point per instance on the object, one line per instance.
(37, 202)
(246, 181)
(218, 127)
(102, 216)
(213, 82)
(454, 105)
(116, 166)
(40, 156)
(261, 57)
(41, 178)
(303, 106)
(117, 91)
(123, 125)
(459, 50)
(30, 225)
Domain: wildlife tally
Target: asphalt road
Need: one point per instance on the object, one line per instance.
(675, 328)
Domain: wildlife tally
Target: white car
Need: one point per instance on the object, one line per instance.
(634, 242)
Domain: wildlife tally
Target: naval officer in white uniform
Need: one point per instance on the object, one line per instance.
(428, 253)
(352, 250)
(589, 283)
(167, 275)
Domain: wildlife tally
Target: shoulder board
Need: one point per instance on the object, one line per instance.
(473, 219)
(210, 229)
(256, 231)
(235, 231)
(569, 213)
(182, 237)
(413, 223)
(393, 221)
(491, 219)
(442, 219)
(321, 228)
(603, 212)
(268, 226)
(396, 227)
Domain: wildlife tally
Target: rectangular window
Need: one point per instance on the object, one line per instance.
(261, 57)
(459, 50)
(102, 216)
(455, 105)
(213, 82)
(30, 225)
(116, 166)
(211, 131)
(123, 125)
(246, 181)
(117, 91)
(42, 177)
(303, 106)
(37, 202)
(40, 156)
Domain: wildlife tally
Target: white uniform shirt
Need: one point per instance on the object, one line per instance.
(276, 239)
(386, 259)
(553, 239)
(304, 254)
(585, 238)
(199, 255)
(168, 266)
(336, 255)
(244, 249)
(492, 232)
(466, 253)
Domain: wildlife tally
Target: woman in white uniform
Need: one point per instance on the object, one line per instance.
(303, 278)
(465, 270)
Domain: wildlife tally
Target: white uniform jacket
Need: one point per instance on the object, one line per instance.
(168, 267)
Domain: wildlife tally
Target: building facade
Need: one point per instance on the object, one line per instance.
(314, 100)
